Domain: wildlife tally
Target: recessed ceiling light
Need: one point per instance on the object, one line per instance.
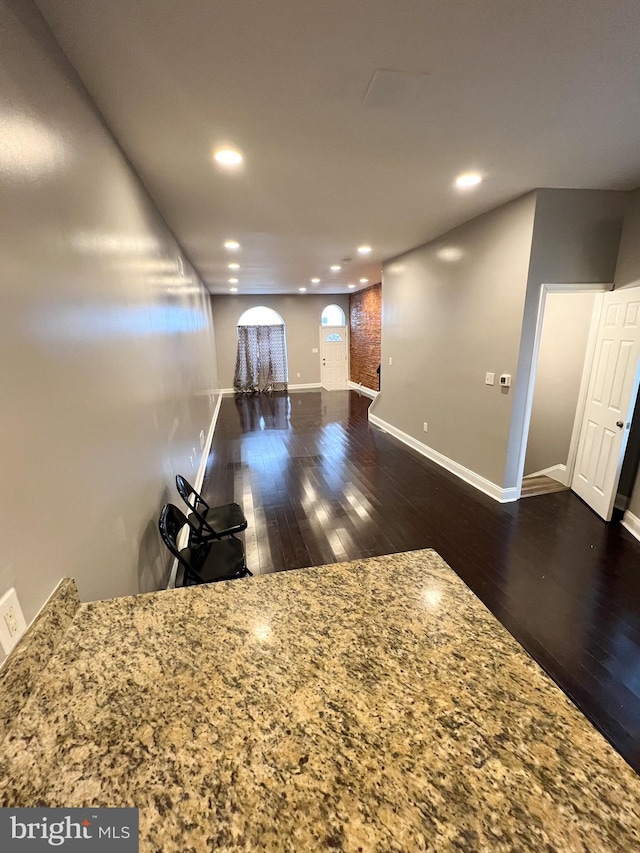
(336, 268)
(234, 266)
(233, 290)
(364, 281)
(351, 286)
(315, 281)
(233, 281)
(232, 244)
(228, 157)
(302, 289)
(468, 180)
(364, 250)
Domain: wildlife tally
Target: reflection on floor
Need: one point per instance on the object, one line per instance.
(319, 485)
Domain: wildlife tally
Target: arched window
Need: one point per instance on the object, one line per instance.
(260, 315)
(333, 315)
(333, 336)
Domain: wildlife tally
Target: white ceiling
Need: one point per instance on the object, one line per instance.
(531, 93)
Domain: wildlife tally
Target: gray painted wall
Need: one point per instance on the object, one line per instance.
(628, 266)
(628, 275)
(301, 315)
(575, 239)
(576, 236)
(567, 319)
(447, 322)
(107, 365)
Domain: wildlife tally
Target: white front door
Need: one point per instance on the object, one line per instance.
(333, 357)
(611, 396)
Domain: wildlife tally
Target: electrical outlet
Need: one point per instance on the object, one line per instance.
(202, 439)
(425, 426)
(298, 375)
(12, 624)
(390, 361)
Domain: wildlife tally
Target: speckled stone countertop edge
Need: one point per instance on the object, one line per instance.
(447, 575)
(384, 710)
(22, 668)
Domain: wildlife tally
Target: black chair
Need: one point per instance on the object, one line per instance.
(204, 561)
(210, 521)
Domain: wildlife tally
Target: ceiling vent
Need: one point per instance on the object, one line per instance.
(395, 90)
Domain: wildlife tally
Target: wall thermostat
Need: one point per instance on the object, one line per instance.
(505, 380)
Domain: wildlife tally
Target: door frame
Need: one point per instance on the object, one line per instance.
(348, 351)
(599, 289)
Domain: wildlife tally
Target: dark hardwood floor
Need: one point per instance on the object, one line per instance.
(319, 485)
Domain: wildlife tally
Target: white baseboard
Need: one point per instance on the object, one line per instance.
(362, 389)
(556, 472)
(183, 538)
(494, 491)
(631, 523)
(206, 450)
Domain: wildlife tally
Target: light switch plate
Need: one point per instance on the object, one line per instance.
(12, 624)
(489, 378)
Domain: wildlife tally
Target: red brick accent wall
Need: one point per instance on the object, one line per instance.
(365, 310)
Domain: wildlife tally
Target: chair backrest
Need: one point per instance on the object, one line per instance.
(196, 504)
(189, 495)
(172, 520)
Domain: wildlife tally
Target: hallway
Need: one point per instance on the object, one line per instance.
(430, 170)
(319, 485)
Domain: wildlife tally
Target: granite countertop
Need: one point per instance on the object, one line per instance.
(367, 706)
(21, 672)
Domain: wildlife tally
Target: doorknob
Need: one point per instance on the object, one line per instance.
(619, 424)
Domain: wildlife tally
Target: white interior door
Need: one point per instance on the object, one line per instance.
(333, 357)
(611, 395)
